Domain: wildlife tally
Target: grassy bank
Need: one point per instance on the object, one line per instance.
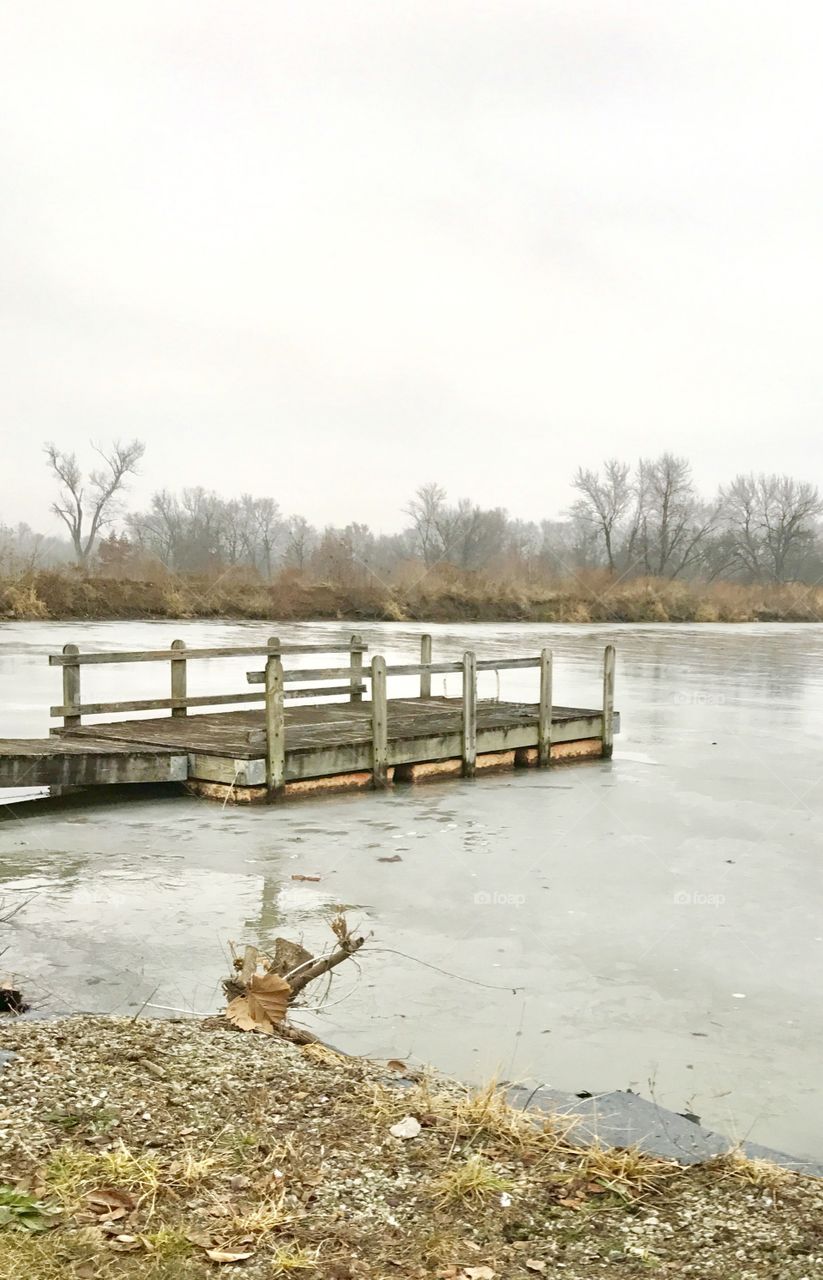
(167, 1151)
(443, 596)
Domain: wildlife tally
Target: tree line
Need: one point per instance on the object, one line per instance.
(646, 519)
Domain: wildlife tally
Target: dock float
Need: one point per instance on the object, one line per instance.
(263, 750)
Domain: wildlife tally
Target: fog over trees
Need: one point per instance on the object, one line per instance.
(633, 520)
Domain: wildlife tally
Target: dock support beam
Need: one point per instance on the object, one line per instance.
(379, 723)
(469, 714)
(178, 678)
(425, 660)
(356, 664)
(71, 688)
(275, 723)
(608, 702)
(544, 713)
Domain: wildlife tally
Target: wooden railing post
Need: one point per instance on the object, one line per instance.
(425, 659)
(71, 688)
(469, 714)
(379, 722)
(275, 728)
(178, 678)
(544, 714)
(608, 701)
(356, 662)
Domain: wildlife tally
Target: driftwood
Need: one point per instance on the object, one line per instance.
(300, 978)
(285, 974)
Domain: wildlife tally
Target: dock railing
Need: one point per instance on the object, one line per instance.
(274, 679)
(71, 660)
(350, 681)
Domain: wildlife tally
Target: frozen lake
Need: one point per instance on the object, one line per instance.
(651, 922)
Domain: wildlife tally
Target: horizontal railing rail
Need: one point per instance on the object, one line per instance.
(78, 659)
(402, 669)
(178, 702)
(199, 700)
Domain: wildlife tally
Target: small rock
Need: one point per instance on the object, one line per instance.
(407, 1128)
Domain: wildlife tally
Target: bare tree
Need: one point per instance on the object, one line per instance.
(771, 520)
(428, 512)
(159, 530)
(604, 501)
(673, 525)
(264, 530)
(476, 535)
(87, 505)
(300, 542)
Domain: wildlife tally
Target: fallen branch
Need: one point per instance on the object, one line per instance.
(259, 1001)
(297, 980)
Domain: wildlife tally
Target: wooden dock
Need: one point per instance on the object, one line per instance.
(271, 750)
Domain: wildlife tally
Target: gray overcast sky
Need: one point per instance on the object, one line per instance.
(329, 250)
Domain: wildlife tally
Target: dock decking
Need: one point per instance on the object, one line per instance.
(275, 750)
(87, 762)
(334, 741)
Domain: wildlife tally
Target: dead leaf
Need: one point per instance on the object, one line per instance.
(263, 1006)
(407, 1128)
(394, 858)
(228, 1255)
(202, 1239)
(532, 1264)
(394, 1064)
(126, 1243)
(312, 879)
(110, 1201)
(113, 1215)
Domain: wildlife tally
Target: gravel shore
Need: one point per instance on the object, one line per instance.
(183, 1149)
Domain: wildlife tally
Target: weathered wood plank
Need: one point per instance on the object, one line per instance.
(304, 674)
(329, 691)
(200, 700)
(356, 666)
(425, 660)
(275, 728)
(178, 681)
(160, 704)
(469, 726)
(351, 757)
(379, 722)
(166, 655)
(232, 772)
(71, 687)
(544, 711)
(86, 762)
(608, 701)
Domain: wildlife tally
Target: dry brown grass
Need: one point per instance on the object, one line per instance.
(443, 595)
(763, 1174)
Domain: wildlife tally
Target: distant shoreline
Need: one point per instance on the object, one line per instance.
(436, 598)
